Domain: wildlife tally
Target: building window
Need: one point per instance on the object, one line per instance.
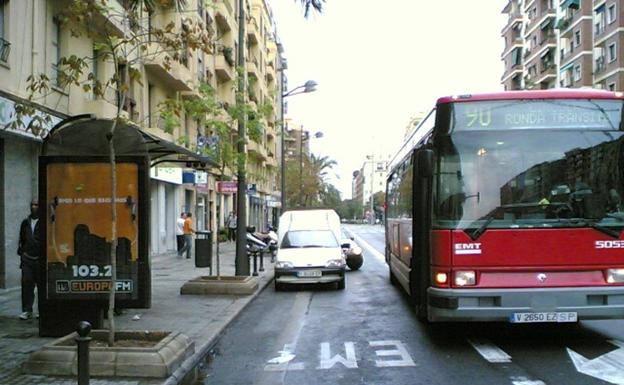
(5, 46)
(577, 38)
(611, 87)
(611, 53)
(599, 24)
(611, 16)
(577, 72)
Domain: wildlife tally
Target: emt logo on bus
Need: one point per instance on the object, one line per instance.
(467, 248)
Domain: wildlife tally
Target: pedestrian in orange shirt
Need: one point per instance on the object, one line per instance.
(188, 236)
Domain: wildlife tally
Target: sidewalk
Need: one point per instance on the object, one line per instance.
(202, 318)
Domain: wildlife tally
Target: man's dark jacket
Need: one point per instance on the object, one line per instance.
(30, 242)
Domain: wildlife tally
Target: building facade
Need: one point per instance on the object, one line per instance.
(369, 180)
(563, 43)
(32, 42)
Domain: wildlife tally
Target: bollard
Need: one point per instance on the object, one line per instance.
(255, 270)
(82, 342)
(262, 261)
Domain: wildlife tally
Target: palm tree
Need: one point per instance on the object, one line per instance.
(317, 5)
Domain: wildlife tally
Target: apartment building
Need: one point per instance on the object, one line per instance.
(370, 179)
(563, 43)
(32, 42)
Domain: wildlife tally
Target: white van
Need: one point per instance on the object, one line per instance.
(309, 249)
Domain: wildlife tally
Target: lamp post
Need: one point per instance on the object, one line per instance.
(317, 135)
(371, 160)
(309, 86)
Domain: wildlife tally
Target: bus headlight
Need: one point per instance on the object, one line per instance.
(465, 278)
(615, 275)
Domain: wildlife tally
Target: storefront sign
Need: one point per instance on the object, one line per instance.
(167, 174)
(227, 187)
(8, 116)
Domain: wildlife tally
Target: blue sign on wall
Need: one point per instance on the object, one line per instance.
(188, 177)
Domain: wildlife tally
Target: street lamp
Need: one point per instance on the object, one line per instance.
(317, 135)
(371, 160)
(309, 86)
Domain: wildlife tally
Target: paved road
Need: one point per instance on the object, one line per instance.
(367, 334)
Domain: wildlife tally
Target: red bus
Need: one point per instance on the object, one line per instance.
(508, 207)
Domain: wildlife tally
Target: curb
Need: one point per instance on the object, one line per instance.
(193, 361)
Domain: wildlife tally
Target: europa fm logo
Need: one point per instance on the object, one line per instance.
(467, 248)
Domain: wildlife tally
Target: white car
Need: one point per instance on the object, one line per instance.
(309, 250)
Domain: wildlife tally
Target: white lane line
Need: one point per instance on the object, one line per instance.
(526, 381)
(368, 247)
(489, 351)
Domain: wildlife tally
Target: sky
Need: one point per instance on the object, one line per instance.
(378, 63)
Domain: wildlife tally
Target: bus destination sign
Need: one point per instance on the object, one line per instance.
(528, 114)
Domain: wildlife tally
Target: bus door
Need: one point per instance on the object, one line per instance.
(421, 261)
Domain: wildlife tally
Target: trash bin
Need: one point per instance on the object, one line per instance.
(203, 249)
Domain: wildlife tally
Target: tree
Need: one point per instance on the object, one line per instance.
(124, 40)
(306, 180)
(216, 122)
(309, 5)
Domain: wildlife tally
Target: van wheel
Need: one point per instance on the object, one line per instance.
(341, 284)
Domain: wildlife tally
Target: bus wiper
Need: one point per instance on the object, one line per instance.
(478, 231)
(594, 225)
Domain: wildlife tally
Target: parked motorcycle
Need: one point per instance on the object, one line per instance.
(270, 238)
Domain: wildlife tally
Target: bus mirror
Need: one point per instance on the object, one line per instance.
(425, 163)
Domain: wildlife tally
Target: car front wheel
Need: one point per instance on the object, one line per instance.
(341, 284)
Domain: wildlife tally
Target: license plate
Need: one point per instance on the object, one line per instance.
(544, 317)
(309, 274)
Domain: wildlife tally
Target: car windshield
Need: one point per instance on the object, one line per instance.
(502, 177)
(309, 238)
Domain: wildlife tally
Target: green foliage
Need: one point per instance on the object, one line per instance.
(306, 181)
(350, 209)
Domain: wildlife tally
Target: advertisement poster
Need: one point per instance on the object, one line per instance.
(79, 231)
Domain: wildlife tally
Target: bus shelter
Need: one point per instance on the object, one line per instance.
(75, 189)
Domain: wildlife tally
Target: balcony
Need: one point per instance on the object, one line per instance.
(252, 67)
(223, 69)
(171, 72)
(224, 15)
(253, 34)
(257, 149)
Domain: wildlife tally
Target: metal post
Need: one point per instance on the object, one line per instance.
(82, 342)
(242, 262)
(282, 155)
(372, 204)
(262, 261)
(301, 166)
(255, 264)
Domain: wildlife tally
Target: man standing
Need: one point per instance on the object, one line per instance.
(188, 235)
(231, 224)
(30, 250)
(180, 232)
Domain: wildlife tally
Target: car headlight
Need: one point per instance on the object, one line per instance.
(465, 278)
(283, 265)
(615, 275)
(357, 250)
(335, 263)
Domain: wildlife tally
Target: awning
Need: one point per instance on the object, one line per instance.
(574, 4)
(84, 135)
(163, 151)
(545, 52)
(546, 22)
(566, 67)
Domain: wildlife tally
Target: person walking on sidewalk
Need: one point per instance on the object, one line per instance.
(232, 224)
(188, 236)
(30, 250)
(180, 232)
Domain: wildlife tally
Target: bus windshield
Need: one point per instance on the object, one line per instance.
(527, 164)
